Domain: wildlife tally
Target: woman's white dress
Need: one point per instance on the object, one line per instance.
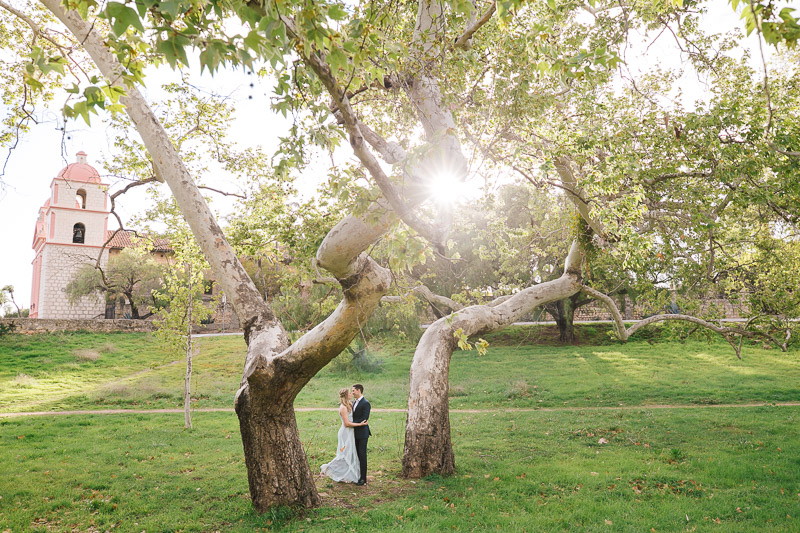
(345, 466)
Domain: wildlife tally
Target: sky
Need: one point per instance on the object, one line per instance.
(43, 152)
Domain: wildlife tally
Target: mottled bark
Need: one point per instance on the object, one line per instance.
(428, 446)
(277, 469)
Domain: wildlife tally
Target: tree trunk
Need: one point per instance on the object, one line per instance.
(134, 309)
(187, 382)
(566, 319)
(277, 469)
(566, 332)
(563, 313)
(428, 447)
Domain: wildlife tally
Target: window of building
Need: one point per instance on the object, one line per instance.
(80, 198)
(78, 232)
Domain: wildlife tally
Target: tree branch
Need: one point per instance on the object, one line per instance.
(243, 197)
(37, 30)
(624, 334)
(465, 40)
(318, 65)
(673, 175)
(391, 152)
(569, 180)
(429, 296)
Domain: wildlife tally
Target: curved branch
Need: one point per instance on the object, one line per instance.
(624, 334)
(131, 186)
(465, 40)
(37, 30)
(391, 152)
(429, 296)
(243, 197)
(428, 448)
(569, 180)
(619, 325)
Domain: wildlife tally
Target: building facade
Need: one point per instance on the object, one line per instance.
(70, 231)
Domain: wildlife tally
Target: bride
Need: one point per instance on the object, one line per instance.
(344, 466)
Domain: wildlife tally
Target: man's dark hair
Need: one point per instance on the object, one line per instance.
(359, 387)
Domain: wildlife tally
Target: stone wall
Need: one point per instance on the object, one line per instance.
(598, 311)
(29, 326)
(60, 262)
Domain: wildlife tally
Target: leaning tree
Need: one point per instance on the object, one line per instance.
(433, 89)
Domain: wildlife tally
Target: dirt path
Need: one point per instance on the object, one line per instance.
(465, 411)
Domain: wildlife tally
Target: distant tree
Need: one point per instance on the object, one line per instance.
(7, 295)
(133, 274)
(183, 289)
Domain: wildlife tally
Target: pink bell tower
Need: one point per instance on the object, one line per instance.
(70, 231)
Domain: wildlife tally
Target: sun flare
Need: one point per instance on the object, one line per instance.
(446, 188)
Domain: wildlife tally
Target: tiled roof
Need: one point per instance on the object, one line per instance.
(127, 239)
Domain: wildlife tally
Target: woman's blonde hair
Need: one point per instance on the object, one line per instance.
(344, 394)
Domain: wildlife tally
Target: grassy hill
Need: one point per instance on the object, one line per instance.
(92, 371)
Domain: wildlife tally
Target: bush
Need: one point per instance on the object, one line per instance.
(6, 329)
(356, 359)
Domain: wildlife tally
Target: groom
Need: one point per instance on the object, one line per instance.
(360, 414)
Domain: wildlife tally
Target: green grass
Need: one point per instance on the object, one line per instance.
(706, 469)
(669, 470)
(89, 371)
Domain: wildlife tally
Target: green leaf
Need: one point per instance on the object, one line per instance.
(33, 82)
(337, 12)
(173, 49)
(170, 8)
(122, 17)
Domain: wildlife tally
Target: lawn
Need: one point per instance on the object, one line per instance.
(561, 468)
(733, 469)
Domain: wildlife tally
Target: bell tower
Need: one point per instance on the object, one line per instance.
(70, 231)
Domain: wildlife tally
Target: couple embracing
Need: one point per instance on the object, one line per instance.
(350, 463)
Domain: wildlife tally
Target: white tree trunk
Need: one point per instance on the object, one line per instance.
(428, 448)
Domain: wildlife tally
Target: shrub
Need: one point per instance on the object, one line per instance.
(356, 358)
(520, 389)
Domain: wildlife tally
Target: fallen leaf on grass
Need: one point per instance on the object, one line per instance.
(602, 441)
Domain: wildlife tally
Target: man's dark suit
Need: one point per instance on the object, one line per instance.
(362, 433)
